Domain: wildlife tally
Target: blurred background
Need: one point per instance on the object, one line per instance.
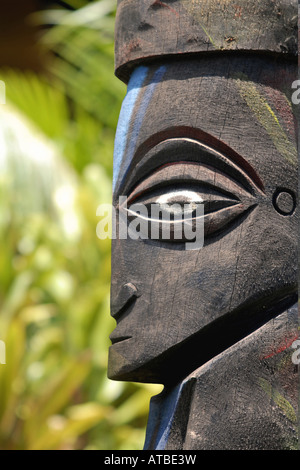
(57, 130)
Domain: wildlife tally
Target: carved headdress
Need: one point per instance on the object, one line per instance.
(147, 29)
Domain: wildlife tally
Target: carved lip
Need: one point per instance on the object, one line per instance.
(118, 339)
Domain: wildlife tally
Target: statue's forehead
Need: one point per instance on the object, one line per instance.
(139, 94)
(166, 101)
(147, 29)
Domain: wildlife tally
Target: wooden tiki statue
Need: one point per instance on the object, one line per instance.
(204, 287)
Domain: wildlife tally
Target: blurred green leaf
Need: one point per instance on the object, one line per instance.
(56, 145)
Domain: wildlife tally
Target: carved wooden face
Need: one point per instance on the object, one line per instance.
(220, 131)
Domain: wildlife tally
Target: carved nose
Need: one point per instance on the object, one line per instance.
(127, 294)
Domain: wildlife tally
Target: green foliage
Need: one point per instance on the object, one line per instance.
(56, 142)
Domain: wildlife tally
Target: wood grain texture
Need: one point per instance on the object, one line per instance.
(206, 119)
(245, 398)
(213, 125)
(147, 29)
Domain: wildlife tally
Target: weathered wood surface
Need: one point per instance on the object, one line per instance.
(245, 398)
(147, 29)
(215, 325)
(219, 125)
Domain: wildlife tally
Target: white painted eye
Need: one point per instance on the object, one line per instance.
(182, 196)
(179, 202)
(179, 197)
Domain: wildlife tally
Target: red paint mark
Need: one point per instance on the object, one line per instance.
(159, 3)
(133, 45)
(286, 345)
(238, 10)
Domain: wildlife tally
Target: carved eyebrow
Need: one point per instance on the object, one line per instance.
(189, 173)
(188, 135)
(186, 132)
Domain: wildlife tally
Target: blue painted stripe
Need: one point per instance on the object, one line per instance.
(122, 164)
(134, 87)
(168, 417)
(161, 417)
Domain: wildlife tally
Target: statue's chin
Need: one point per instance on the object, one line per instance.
(170, 365)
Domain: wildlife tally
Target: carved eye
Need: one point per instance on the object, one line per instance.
(208, 189)
(171, 204)
(187, 198)
(176, 197)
